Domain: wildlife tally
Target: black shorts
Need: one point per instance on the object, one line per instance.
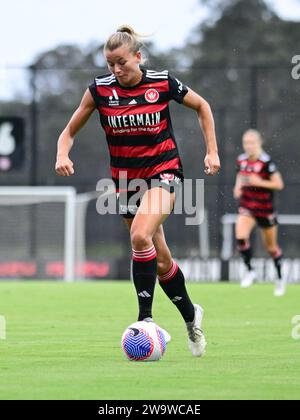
(128, 204)
(264, 222)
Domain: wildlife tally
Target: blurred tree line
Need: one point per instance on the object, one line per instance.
(239, 60)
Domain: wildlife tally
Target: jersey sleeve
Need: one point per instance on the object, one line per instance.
(177, 90)
(93, 90)
(271, 167)
(237, 166)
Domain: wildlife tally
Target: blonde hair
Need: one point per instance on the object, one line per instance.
(125, 36)
(255, 132)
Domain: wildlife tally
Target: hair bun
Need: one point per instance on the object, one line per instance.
(126, 28)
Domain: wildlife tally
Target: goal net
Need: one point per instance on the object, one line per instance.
(37, 232)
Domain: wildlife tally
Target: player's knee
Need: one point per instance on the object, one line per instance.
(274, 251)
(242, 244)
(163, 266)
(140, 240)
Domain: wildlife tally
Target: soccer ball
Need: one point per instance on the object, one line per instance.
(143, 341)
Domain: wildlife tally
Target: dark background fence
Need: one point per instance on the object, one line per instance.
(263, 97)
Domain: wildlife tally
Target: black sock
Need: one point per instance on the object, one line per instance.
(173, 284)
(144, 271)
(245, 251)
(277, 258)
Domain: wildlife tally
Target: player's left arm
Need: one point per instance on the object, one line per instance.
(274, 183)
(206, 120)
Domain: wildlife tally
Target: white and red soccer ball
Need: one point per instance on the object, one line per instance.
(143, 341)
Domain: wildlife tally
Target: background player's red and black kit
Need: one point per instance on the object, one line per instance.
(138, 127)
(256, 201)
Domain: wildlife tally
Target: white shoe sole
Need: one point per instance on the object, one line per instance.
(201, 346)
(198, 349)
(249, 280)
(280, 289)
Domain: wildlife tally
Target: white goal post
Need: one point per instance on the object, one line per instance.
(12, 196)
(52, 238)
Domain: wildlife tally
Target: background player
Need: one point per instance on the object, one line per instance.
(256, 181)
(133, 107)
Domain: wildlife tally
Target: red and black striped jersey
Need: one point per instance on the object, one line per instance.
(256, 199)
(137, 124)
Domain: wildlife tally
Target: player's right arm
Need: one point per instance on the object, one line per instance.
(237, 191)
(238, 187)
(64, 165)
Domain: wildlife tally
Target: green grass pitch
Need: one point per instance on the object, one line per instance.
(63, 342)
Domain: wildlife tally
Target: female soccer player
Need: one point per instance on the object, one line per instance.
(256, 181)
(133, 107)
